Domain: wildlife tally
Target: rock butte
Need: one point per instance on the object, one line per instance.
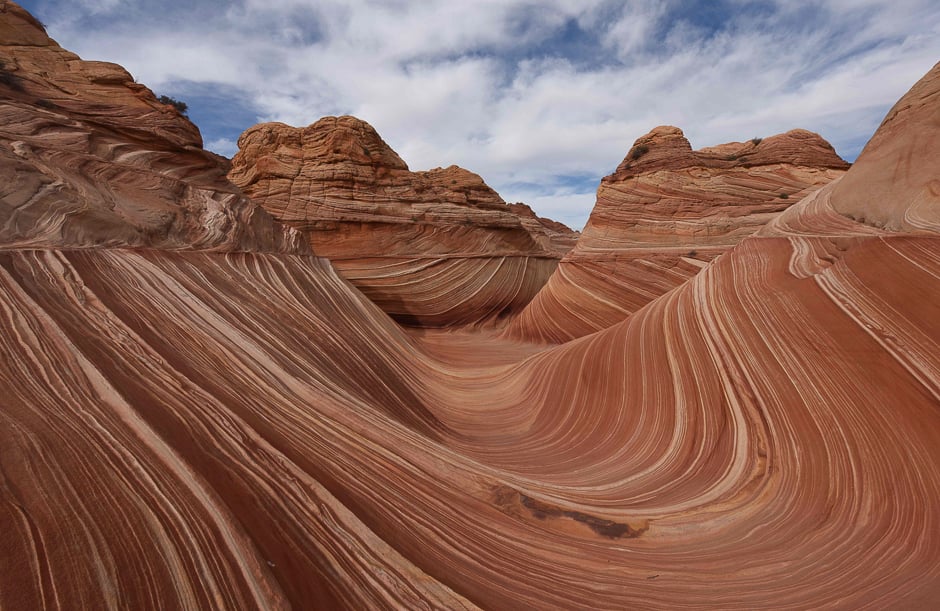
(662, 215)
(436, 248)
(227, 423)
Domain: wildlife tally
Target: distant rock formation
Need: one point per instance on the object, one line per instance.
(435, 248)
(662, 215)
(88, 157)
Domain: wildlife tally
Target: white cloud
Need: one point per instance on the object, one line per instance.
(634, 28)
(222, 146)
(564, 206)
(97, 7)
(525, 91)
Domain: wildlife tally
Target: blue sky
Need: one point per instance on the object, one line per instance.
(542, 98)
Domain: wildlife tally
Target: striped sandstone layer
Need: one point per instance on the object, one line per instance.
(662, 215)
(90, 158)
(435, 248)
(229, 430)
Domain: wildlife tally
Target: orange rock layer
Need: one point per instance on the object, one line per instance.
(261, 464)
(245, 430)
(663, 215)
(434, 248)
(90, 158)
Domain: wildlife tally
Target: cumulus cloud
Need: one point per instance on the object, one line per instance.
(541, 98)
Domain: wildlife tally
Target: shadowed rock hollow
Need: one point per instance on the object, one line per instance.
(226, 423)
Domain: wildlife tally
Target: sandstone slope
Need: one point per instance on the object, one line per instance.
(89, 157)
(665, 212)
(215, 430)
(434, 248)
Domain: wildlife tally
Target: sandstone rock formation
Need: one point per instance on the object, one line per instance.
(88, 157)
(434, 248)
(662, 215)
(240, 430)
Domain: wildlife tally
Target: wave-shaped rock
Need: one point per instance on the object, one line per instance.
(662, 215)
(434, 248)
(88, 157)
(227, 430)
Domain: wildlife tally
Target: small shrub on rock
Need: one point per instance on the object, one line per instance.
(180, 106)
(638, 151)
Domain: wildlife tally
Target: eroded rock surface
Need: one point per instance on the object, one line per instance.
(663, 214)
(240, 430)
(88, 157)
(435, 248)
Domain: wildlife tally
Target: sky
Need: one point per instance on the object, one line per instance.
(542, 98)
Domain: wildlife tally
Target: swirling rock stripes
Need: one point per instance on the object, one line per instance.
(90, 158)
(93, 460)
(721, 458)
(448, 291)
(433, 249)
(327, 544)
(664, 214)
(220, 429)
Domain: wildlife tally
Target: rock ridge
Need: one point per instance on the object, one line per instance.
(666, 148)
(91, 158)
(387, 229)
(663, 214)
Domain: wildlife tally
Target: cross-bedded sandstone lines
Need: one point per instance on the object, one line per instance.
(663, 215)
(90, 158)
(251, 417)
(220, 424)
(433, 249)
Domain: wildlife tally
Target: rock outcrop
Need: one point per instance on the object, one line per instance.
(662, 215)
(896, 186)
(88, 157)
(241, 430)
(434, 248)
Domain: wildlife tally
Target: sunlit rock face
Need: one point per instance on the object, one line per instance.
(435, 248)
(90, 158)
(666, 212)
(195, 429)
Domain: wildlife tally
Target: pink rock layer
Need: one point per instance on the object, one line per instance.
(666, 212)
(435, 248)
(245, 430)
